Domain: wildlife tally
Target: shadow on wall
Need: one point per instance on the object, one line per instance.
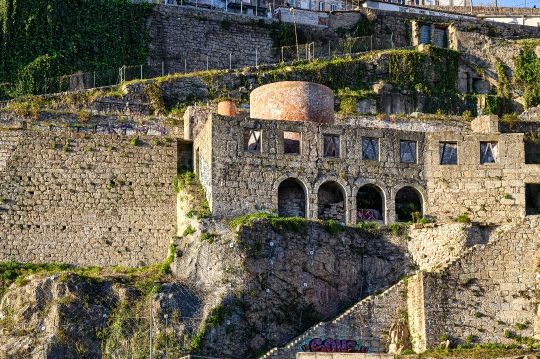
(532, 198)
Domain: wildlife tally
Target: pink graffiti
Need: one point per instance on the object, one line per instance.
(367, 214)
(334, 346)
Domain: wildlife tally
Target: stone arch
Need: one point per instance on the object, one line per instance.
(301, 181)
(370, 203)
(408, 199)
(332, 201)
(292, 198)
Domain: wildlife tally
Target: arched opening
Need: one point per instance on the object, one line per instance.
(369, 204)
(331, 199)
(408, 205)
(291, 199)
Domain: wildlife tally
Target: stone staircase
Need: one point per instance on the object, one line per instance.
(343, 325)
(349, 323)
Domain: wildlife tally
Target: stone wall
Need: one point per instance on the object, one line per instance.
(490, 192)
(367, 323)
(490, 289)
(96, 123)
(247, 181)
(431, 244)
(86, 199)
(183, 37)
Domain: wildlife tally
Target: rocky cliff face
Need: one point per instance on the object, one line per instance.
(273, 278)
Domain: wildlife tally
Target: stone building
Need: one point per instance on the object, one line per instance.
(291, 157)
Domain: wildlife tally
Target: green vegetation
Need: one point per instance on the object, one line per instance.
(165, 267)
(43, 39)
(527, 75)
(463, 219)
(188, 231)
(208, 237)
(478, 351)
(407, 69)
(277, 223)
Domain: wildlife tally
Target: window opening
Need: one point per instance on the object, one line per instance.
(408, 151)
(331, 146)
(370, 149)
(532, 198)
(448, 153)
(488, 152)
(252, 140)
(291, 142)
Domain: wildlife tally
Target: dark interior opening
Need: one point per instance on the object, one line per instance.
(369, 204)
(408, 205)
(331, 200)
(291, 199)
(532, 148)
(532, 198)
(185, 155)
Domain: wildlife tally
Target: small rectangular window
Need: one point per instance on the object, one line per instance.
(532, 198)
(252, 140)
(333, 7)
(489, 152)
(408, 151)
(321, 6)
(331, 146)
(448, 153)
(291, 142)
(370, 149)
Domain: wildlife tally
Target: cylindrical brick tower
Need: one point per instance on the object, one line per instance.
(293, 101)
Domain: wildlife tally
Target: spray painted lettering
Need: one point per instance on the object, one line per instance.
(330, 345)
(104, 129)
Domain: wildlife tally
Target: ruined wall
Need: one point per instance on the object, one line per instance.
(489, 192)
(433, 244)
(247, 181)
(490, 289)
(86, 199)
(204, 160)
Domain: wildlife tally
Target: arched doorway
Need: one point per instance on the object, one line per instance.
(291, 199)
(331, 200)
(408, 204)
(369, 204)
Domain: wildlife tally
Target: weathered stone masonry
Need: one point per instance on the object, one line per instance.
(247, 181)
(86, 199)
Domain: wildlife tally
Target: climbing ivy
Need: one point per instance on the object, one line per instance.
(407, 69)
(41, 39)
(527, 76)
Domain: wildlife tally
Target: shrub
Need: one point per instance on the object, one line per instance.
(463, 219)
(134, 141)
(333, 227)
(509, 334)
(208, 236)
(189, 230)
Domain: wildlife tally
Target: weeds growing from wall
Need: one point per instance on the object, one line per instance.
(407, 69)
(527, 75)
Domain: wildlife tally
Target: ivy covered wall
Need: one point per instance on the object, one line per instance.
(40, 39)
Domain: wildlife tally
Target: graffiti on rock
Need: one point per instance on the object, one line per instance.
(330, 345)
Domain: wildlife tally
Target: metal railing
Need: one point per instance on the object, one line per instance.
(81, 80)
